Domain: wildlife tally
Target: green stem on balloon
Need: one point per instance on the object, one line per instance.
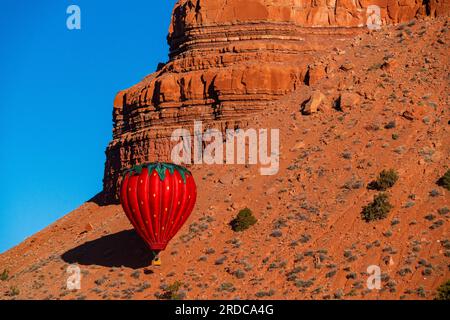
(160, 168)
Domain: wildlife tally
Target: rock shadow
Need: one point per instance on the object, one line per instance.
(103, 199)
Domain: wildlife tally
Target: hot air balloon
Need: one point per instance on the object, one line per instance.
(158, 198)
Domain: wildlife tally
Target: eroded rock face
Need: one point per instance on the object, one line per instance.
(228, 60)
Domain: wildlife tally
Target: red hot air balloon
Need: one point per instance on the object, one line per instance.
(158, 198)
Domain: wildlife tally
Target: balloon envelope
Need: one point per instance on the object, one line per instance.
(158, 198)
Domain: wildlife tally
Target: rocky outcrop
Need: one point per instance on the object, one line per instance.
(228, 60)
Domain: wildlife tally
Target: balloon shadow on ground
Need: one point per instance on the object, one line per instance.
(123, 248)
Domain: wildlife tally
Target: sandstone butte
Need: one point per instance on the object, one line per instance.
(349, 103)
(228, 60)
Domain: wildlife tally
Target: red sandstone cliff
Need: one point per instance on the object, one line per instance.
(230, 59)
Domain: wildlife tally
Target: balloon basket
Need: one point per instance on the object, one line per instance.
(156, 260)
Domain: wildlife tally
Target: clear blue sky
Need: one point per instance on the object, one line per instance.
(56, 92)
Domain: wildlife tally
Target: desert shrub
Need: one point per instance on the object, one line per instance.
(221, 260)
(375, 66)
(172, 292)
(378, 209)
(351, 275)
(261, 294)
(226, 286)
(390, 125)
(243, 220)
(386, 179)
(437, 224)
(304, 283)
(434, 193)
(444, 181)
(276, 233)
(239, 274)
(347, 155)
(4, 275)
(443, 292)
(100, 281)
(427, 271)
(13, 291)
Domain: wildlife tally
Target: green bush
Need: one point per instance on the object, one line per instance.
(386, 179)
(443, 292)
(13, 291)
(243, 221)
(4, 275)
(444, 181)
(378, 209)
(172, 292)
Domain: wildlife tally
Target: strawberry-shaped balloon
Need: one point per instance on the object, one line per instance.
(158, 198)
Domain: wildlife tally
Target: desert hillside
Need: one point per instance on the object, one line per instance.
(380, 102)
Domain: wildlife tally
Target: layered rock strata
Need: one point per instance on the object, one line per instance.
(229, 59)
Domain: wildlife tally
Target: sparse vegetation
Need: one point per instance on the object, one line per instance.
(378, 209)
(220, 261)
(347, 155)
(386, 179)
(444, 181)
(387, 234)
(437, 224)
(13, 291)
(427, 271)
(375, 66)
(351, 275)
(143, 286)
(172, 292)
(4, 275)
(443, 292)
(390, 125)
(305, 283)
(404, 271)
(305, 238)
(239, 274)
(100, 281)
(338, 294)
(261, 294)
(434, 193)
(244, 220)
(227, 287)
(421, 292)
(276, 233)
(331, 274)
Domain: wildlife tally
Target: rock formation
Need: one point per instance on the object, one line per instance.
(228, 60)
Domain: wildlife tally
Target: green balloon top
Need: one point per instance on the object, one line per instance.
(160, 168)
